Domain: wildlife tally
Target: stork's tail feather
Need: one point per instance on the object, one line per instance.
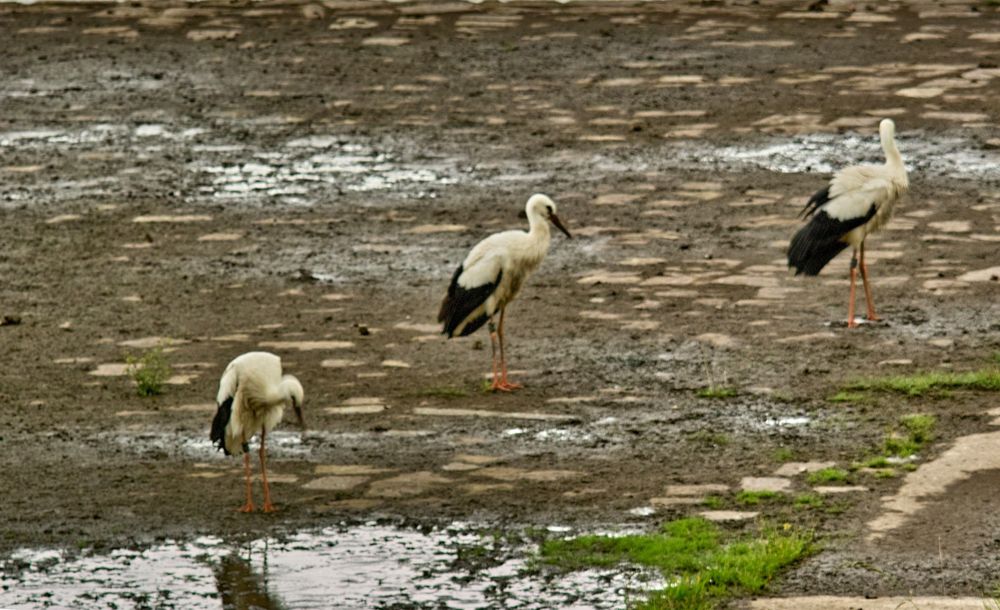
(815, 202)
(219, 423)
(808, 255)
(460, 303)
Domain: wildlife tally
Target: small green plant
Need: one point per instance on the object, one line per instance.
(808, 500)
(783, 454)
(149, 371)
(920, 427)
(885, 473)
(827, 475)
(717, 392)
(748, 498)
(713, 502)
(919, 431)
(876, 462)
(849, 397)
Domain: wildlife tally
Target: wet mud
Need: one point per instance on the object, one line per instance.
(304, 178)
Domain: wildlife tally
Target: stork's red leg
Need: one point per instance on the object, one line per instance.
(268, 507)
(248, 506)
(850, 305)
(505, 385)
(493, 352)
(868, 289)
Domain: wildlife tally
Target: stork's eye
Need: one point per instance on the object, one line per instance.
(548, 208)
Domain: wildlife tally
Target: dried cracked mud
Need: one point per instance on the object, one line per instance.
(215, 178)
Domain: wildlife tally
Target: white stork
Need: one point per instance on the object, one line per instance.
(490, 277)
(858, 201)
(252, 397)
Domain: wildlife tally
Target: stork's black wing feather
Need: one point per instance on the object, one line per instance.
(815, 202)
(460, 302)
(219, 423)
(815, 244)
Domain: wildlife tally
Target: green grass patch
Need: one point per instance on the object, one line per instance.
(713, 502)
(149, 371)
(808, 500)
(919, 430)
(876, 462)
(784, 454)
(691, 553)
(748, 498)
(885, 473)
(849, 397)
(924, 383)
(919, 426)
(827, 475)
(717, 392)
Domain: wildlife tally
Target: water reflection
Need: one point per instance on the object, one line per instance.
(363, 566)
(240, 588)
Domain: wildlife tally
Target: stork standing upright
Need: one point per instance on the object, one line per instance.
(491, 276)
(859, 200)
(252, 397)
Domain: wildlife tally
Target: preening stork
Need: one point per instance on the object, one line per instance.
(491, 276)
(252, 397)
(858, 201)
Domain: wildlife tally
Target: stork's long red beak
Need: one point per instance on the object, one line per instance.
(298, 415)
(559, 225)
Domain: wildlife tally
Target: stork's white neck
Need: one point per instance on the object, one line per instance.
(892, 156)
(538, 226)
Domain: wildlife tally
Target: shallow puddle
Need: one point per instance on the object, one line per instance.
(367, 566)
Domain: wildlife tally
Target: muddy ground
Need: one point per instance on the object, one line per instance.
(218, 178)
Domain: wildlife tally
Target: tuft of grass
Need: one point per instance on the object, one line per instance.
(827, 475)
(885, 473)
(919, 431)
(149, 371)
(702, 568)
(713, 502)
(808, 500)
(924, 383)
(717, 392)
(783, 454)
(849, 397)
(748, 498)
(920, 426)
(880, 461)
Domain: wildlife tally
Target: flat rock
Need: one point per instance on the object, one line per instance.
(349, 469)
(839, 489)
(340, 363)
(409, 484)
(696, 490)
(765, 484)
(991, 274)
(728, 515)
(154, 218)
(111, 369)
(335, 483)
(355, 410)
(506, 473)
(306, 345)
(795, 468)
(674, 501)
(717, 339)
